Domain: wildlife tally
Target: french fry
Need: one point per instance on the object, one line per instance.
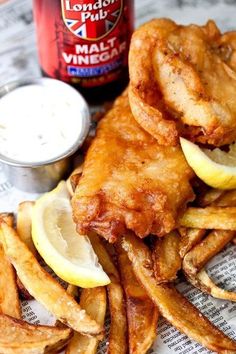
(204, 283)
(24, 294)
(227, 199)
(23, 227)
(211, 217)
(171, 304)
(9, 297)
(8, 218)
(210, 197)
(24, 223)
(166, 257)
(205, 250)
(72, 290)
(104, 258)
(19, 337)
(93, 301)
(189, 238)
(142, 315)
(118, 327)
(43, 287)
(195, 260)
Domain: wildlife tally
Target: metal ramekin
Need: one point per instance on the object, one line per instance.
(44, 175)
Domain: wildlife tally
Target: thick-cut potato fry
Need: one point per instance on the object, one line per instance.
(205, 250)
(209, 218)
(209, 197)
(195, 260)
(9, 297)
(172, 305)
(104, 258)
(227, 199)
(24, 223)
(118, 327)
(72, 290)
(23, 227)
(142, 315)
(73, 179)
(43, 287)
(93, 301)
(24, 294)
(166, 257)
(189, 238)
(204, 283)
(8, 218)
(19, 337)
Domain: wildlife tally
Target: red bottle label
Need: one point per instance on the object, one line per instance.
(83, 42)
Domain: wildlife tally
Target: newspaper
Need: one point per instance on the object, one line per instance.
(18, 59)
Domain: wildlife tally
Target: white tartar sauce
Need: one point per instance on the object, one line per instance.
(39, 122)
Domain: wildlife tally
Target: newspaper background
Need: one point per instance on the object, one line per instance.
(18, 59)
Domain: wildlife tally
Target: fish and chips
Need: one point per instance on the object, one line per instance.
(135, 183)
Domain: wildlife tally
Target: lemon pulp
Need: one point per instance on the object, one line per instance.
(69, 254)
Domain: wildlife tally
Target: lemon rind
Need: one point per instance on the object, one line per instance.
(217, 175)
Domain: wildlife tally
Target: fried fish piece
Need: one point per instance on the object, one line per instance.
(129, 181)
(193, 74)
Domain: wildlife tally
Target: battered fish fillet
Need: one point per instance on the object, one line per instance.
(183, 78)
(129, 181)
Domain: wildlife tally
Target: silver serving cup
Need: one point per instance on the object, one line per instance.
(44, 175)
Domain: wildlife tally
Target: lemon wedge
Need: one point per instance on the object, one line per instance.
(69, 254)
(216, 168)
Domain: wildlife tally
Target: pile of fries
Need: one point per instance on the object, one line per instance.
(142, 285)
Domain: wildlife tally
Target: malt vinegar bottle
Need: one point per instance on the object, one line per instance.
(85, 43)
